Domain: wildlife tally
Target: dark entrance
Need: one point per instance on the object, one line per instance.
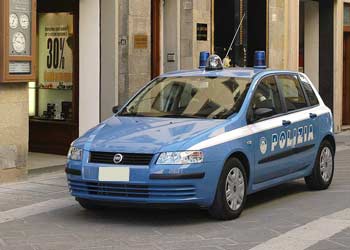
(155, 38)
(54, 113)
(252, 35)
(346, 77)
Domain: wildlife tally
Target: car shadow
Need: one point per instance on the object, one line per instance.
(279, 192)
(182, 215)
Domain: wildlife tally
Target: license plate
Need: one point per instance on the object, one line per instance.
(113, 174)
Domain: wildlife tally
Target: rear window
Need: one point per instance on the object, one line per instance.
(309, 91)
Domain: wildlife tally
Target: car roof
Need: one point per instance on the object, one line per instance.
(248, 73)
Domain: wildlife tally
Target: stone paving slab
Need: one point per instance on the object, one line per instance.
(35, 189)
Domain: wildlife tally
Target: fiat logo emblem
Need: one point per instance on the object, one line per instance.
(117, 158)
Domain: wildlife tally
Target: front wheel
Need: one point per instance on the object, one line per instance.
(231, 192)
(322, 173)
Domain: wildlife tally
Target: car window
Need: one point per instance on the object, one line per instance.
(266, 97)
(190, 97)
(292, 92)
(309, 91)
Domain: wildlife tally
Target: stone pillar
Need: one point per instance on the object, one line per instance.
(283, 33)
(201, 14)
(186, 34)
(338, 64)
(193, 12)
(13, 131)
(312, 41)
(134, 61)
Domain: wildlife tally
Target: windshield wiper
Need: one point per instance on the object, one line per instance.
(179, 116)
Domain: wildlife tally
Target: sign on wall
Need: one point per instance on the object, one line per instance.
(202, 31)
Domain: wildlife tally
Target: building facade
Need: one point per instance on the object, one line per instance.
(93, 55)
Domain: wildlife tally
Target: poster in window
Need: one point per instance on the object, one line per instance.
(55, 50)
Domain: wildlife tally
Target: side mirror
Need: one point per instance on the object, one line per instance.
(115, 109)
(260, 113)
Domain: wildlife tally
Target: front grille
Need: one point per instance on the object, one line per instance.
(128, 158)
(132, 190)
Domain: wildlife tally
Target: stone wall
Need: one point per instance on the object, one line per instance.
(13, 131)
(134, 63)
(283, 34)
(201, 14)
(193, 12)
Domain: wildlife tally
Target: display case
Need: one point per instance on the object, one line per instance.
(53, 98)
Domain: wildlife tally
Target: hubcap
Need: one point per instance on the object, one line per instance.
(235, 188)
(326, 164)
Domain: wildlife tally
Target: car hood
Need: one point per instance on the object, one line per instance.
(144, 134)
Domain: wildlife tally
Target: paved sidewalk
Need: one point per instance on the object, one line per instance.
(35, 189)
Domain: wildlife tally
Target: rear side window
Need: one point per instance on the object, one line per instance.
(292, 92)
(309, 92)
(266, 97)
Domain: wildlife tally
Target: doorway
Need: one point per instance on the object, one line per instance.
(251, 36)
(53, 98)
(155, 38)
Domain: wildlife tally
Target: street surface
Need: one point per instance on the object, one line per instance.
(39, 214)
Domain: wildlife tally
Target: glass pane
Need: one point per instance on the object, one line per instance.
(20, 28)
(292, 92)
(309, 91)
(195, 97)
(266, 97)
(55, 78)
(346, 14)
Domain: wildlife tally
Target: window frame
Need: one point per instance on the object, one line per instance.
(306, 95)
(283, 97)
(250, 110)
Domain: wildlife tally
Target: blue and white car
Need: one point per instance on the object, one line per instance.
(207, 137)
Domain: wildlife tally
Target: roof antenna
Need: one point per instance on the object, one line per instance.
(233, 40)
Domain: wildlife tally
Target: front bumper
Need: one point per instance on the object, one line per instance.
(191, 184)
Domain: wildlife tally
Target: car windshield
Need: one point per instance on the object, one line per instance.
(189, 97)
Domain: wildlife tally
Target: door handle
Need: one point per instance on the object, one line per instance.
(313, 115)
(286, 123)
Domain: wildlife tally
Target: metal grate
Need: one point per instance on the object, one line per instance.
(128, 158)
(132, 190)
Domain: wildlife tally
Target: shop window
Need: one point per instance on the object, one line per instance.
(347, 15)
(55, 68)
(54, 96)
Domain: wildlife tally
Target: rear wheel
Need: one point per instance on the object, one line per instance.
(322, 173)
(231, 192)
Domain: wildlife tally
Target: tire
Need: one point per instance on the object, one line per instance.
(322, 173)
(222, 208)
(89, 205)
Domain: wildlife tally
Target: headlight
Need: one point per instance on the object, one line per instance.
(180, 158)
(75, 154)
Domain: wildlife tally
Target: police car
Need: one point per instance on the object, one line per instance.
(206, 137)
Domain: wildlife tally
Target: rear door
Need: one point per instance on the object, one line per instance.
(302, 129)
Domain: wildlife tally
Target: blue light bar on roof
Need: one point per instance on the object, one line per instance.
(260, 60)
(203, 57)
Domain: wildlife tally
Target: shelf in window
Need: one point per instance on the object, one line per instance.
(43, 88)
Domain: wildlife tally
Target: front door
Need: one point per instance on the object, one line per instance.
(267, 124)
(346, 79)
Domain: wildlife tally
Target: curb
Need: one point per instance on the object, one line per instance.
(46, 170)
